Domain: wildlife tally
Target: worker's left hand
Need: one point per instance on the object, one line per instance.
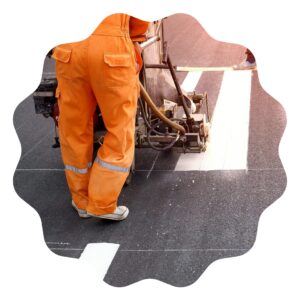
(138, 47)
(138, 51)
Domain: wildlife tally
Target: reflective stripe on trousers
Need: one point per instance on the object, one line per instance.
(77, 170)
(110, 166)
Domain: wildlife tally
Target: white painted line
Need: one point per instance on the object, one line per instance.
(66, 249)
(40, 170)
(57, 243)
(38, 143)
(228, 146)
(99, 256)
(190, 81)
(184, 250)
(211, 69)
(153, 164)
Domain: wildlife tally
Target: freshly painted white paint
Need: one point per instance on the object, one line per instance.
(190, 81)
(228, 145)
(100, 256)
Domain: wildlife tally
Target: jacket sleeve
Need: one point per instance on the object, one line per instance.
(137, 29)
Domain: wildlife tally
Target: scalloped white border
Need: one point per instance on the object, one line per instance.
(270, 29)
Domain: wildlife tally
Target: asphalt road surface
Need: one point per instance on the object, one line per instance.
(183, 216)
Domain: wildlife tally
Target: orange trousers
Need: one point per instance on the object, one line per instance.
(99, 70)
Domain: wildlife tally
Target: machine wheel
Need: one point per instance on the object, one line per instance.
(128, 179)
(131, 171)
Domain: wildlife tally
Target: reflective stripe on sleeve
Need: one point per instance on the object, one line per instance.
(110, 166)
(77, 170)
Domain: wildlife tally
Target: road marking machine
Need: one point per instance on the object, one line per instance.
(161, 124)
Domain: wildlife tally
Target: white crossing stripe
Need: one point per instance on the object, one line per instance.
(99, 256)
(190, 81)
(228, 146)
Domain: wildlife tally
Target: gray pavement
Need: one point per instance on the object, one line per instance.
(179, 222)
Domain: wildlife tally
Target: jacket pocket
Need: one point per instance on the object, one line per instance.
(62, 54)
(63, 62)
(119, 69)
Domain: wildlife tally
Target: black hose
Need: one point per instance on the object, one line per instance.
(147, 122)
(152, 129)
(144, 113)
(169, 146)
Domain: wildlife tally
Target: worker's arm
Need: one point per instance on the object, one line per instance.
(137, 29)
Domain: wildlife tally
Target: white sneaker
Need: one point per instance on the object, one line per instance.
(245, 65)
(81, 212)
(120, 213)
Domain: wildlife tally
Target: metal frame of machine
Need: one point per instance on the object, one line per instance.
(184, 128)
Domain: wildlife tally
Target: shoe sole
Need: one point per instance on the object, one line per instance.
(111, 216)
(82, 213)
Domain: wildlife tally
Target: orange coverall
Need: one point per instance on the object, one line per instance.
(99, 70)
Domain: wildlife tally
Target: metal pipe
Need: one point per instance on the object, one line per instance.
(179, 91)
(158, 27)
(162, 117)
(203, 69)
(149, 42)
(157, 66)
(165, 52)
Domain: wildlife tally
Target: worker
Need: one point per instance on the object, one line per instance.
(248, 62)
(103, 70)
